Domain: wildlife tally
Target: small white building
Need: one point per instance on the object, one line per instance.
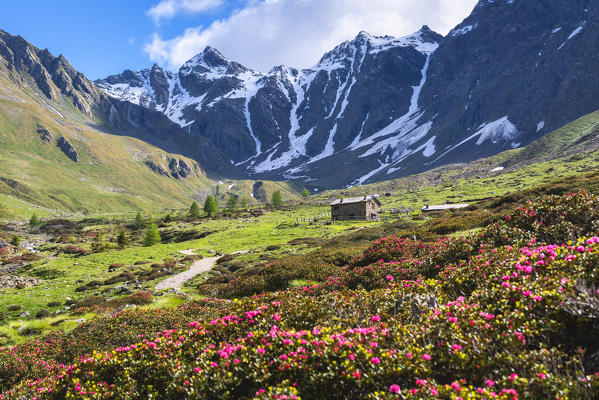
(443, 207)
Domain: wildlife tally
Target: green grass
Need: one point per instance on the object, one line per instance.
(244, 234)
(18, 331)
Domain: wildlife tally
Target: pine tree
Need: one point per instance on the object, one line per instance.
(168, 218)
(277, 199)
(152, 235)
(194, 210)
(210, 206)
(122, 239)
(244, 203)
(305, 193)
(34, 221)
(232, 203)
(139, 221)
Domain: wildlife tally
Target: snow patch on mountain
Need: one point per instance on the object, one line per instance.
(574, 33)
(463, 31)
(501, 130)
(415, 41)
(540, 125)
(404, 124)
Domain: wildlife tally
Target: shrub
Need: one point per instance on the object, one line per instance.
(43, 314)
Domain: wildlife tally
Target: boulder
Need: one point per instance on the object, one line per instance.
(159, 169)
(45, 134)
(67, 148)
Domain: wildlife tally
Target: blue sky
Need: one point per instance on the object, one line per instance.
(105, 37)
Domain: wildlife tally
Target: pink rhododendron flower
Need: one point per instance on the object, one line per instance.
(394, 389)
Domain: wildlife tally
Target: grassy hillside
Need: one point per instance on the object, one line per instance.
(569, 151)
(110, 176)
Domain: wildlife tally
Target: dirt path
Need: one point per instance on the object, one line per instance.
(175, 282)
(187, 252)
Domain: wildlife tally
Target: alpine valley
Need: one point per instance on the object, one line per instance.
(378, 108)
(412, 218)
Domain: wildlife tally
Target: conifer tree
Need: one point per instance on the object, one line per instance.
(232, 203)
(210, 206)
(122, 239)
(34, 221)
(152, 235)
(194, 210)
(277, 199)
(139, 221)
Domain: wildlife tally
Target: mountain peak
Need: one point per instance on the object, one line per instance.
(427, 35)
(363, 36)
(209, 60)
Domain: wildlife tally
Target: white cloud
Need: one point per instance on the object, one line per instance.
(169, 8)
(297, 32)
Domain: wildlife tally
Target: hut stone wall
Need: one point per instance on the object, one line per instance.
(349, 211)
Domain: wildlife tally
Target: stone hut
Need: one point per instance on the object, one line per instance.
(356, 208)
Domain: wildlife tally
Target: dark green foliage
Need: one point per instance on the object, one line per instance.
(168, 218)
(43, 314)
(16, 240)
(305, 193)
(122, 239)
(194, 210)
(139, 221)
(277, 199)
(152, 236)
(34, 221)
(232, 203)
(210, 206)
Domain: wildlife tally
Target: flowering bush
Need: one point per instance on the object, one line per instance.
(505, 314)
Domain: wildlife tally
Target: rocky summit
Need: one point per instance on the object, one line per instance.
(376, 108)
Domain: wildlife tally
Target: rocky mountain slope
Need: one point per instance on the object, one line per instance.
(67, 147)
(376, 108)
(60, 87)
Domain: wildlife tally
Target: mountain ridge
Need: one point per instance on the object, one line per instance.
(270, 109)
(377, 108)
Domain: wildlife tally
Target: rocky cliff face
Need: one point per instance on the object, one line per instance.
(513, 71)
(57, 81)
(376, 108)
(282, 121)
